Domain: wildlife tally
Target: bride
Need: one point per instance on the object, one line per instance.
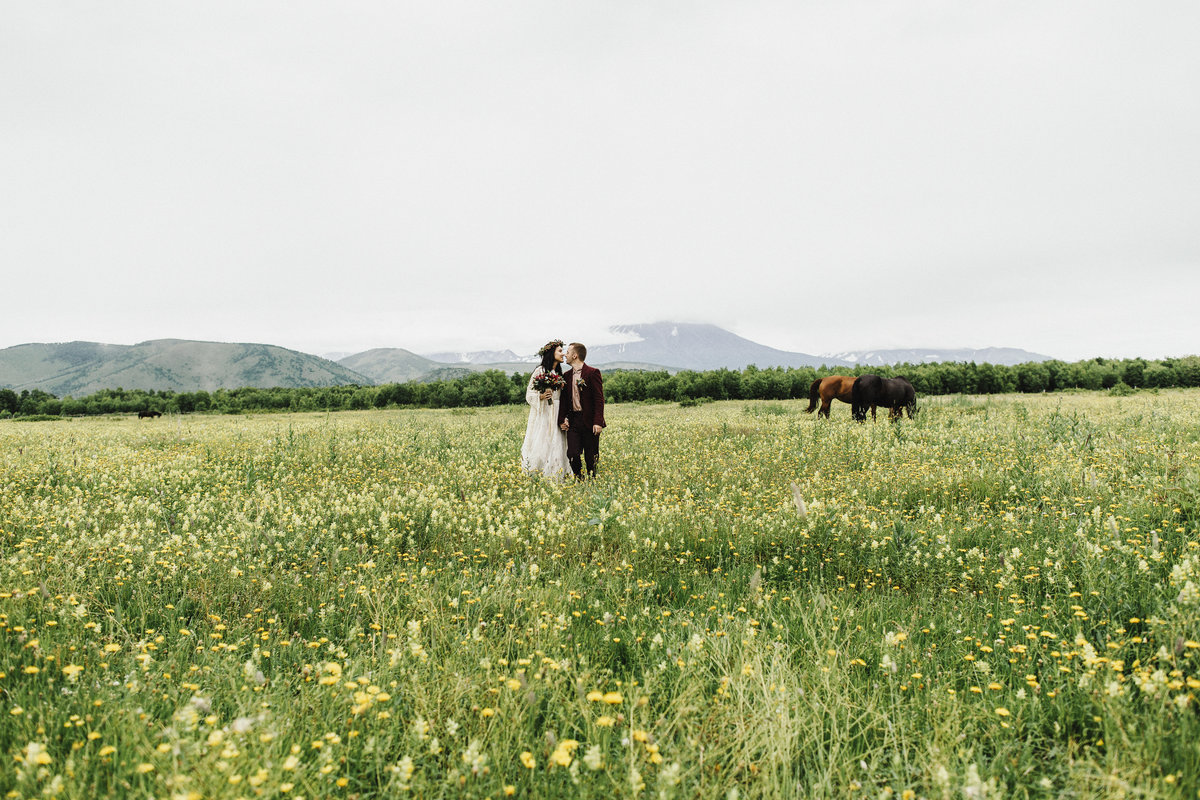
(545, 447)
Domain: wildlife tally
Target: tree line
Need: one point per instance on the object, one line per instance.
(493, 387)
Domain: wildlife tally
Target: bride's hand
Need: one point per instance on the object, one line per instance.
(546, 395)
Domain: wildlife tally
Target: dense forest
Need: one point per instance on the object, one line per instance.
(495, 388)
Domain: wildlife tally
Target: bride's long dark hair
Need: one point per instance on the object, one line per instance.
(548, 362)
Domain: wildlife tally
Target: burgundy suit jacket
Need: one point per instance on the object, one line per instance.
(591, 396)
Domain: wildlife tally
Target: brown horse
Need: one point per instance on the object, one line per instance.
(870, 391)
(839, 386)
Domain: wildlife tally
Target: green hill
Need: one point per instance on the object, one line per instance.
(390, 365)
(81, 368)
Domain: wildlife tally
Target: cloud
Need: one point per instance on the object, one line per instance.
(477, 174)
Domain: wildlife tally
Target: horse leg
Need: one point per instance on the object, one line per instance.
(873, 420)
(825, 403)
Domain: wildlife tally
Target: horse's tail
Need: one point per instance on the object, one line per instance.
(814, 394)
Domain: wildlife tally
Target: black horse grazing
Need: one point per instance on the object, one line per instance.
(145, 414)
(870, 391)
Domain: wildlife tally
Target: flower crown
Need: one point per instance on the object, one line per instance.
(548, 346)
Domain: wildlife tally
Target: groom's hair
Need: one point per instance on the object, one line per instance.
(580, 350)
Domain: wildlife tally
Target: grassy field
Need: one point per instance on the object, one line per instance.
(998, 599)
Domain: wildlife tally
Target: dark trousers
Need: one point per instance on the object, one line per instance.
(580, 439)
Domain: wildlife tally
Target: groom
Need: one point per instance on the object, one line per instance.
(581, 411)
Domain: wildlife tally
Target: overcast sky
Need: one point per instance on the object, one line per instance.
(816, 176)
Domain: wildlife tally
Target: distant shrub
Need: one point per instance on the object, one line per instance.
(1121, 389)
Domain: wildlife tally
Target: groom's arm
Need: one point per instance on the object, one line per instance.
(563, 400)
(598, 397)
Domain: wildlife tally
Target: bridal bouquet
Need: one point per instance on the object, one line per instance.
(549, 380)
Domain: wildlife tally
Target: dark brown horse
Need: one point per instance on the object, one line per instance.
(870, 391)
(825, 389)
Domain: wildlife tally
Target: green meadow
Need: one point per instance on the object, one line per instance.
(999, 598)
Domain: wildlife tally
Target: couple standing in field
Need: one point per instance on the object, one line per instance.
(566, 414)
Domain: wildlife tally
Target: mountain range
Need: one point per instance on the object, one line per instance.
(676, 345)
(698, 347)
(82, 368)
(1007, 356)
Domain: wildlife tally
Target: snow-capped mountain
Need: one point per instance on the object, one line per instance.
(1007, 356)
(479, 357)
(699, 347)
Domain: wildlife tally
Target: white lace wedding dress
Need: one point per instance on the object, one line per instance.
(545, 447)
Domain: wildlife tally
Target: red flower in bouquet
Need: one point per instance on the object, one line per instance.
(548, 380)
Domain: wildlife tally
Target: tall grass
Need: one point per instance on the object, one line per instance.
(999, 598)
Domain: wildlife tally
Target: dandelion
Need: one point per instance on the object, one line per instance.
(527, 760)
(35, 753)
(331, 674)
(563, 754)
